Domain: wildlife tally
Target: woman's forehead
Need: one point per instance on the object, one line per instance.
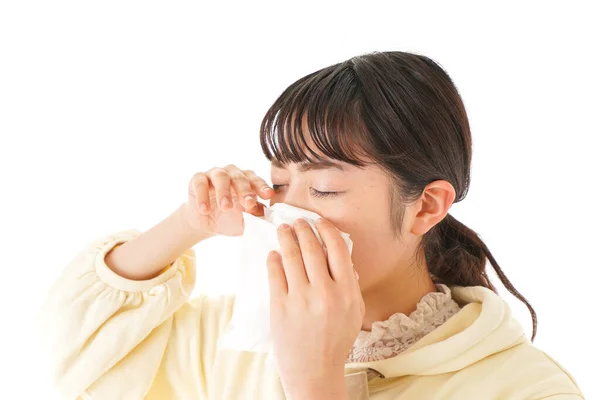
(313, 165)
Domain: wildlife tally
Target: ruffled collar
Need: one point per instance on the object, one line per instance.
(393, 336)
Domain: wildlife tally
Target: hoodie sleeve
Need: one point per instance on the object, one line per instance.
(110, 337)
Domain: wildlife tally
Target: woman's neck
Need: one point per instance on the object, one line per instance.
(396, 294)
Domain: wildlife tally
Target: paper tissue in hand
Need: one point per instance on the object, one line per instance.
(249, 327)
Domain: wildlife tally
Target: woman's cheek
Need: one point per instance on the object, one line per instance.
(340, 212)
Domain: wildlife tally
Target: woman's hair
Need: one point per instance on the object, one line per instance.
(402, 112)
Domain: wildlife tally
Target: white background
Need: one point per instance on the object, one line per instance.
(108, 108)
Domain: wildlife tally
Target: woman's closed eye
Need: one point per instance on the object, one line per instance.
(315, 193)
(318, 193)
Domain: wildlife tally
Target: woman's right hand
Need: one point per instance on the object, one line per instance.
(217, 198)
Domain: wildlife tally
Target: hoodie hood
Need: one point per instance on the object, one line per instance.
(484, 326)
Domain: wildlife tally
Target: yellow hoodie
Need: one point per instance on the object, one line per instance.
(113, 338)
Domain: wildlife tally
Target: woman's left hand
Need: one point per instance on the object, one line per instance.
(316, 310)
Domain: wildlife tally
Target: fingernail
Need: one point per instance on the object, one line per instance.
(299, 221)
(203, 207)
(249, 200)
(225, 202)
(266, 188)
(283, 227)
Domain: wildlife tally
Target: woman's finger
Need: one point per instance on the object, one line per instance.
(242, 187)
(338, 256)
(220, 180)
(277, 282)
(291, 254)
(258, 210)
(260, 186)
(315, 261)
(199, 190)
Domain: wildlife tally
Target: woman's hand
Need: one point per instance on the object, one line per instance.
(316, 310)
(217, 198)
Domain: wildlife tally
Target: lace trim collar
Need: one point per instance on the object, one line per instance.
(393, 336)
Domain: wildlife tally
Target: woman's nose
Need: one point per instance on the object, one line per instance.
(293, 198)
(286, 201)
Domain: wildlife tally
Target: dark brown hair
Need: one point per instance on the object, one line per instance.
(402, 112)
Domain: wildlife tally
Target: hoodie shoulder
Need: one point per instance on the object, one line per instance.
(570, 380)
(530, 372)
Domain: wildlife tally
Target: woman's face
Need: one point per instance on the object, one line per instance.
(356, 201)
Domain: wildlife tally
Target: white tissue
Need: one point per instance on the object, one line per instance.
(249, 327)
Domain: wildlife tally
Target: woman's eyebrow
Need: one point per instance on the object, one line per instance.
(312, 166)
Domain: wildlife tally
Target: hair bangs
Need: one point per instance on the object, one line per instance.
(324, 107)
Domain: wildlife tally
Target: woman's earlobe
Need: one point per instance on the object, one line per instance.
(420, 227)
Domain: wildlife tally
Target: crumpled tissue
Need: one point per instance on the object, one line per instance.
(249, 327)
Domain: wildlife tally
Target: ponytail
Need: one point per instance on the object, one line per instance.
(456, 255)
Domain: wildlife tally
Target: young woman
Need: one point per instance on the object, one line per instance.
(379, 146)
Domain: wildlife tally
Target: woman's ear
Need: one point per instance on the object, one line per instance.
(434, 204)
